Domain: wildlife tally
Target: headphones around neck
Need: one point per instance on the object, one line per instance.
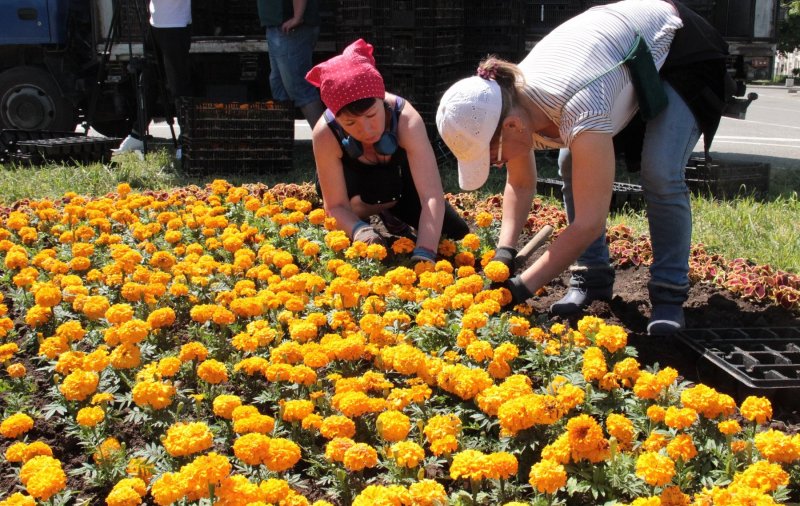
(385, 146)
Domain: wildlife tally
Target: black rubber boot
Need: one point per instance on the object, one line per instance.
(587, 285)
(666, 318)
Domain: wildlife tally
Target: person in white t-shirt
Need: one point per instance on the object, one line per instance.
(572, 92)
(171, 27)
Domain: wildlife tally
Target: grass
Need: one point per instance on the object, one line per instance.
(764, 231)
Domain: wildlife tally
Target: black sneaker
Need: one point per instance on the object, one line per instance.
(578, 299)
(665, 320)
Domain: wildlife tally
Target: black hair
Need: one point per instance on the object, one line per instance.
(358, 107)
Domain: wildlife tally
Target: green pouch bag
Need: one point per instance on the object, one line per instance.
(646, 81)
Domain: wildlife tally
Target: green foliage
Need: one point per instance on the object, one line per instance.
(789, 28)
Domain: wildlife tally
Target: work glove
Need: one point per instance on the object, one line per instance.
(421, 254)
(519, 292)
(366, 234)
(507, 256)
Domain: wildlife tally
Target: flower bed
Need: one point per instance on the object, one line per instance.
(225, 345)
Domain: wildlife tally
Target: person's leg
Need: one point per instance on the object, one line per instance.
(669, 141)
(277, 63)
(173, 45)
(299, 48)
(592, 276)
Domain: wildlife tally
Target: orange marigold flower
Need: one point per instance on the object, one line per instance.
(620, 428)
(184, 439)
(470, 464)
(729, 427)
(778, 447)
(360, 456)
(161, 318)
(594, 364)
(43, 477)
(282, 455)
(681, 448)
(407, 454)
(296, 410)
(193, 351)
(763, 476)
(212, 371)
(586, 439)
(680, 418)
(496, 272)
(16, 425)
(393, 425)
(337, 426)
(223, 405)
(611, 337)
(79, 384)
(656, 413)
(119, 313)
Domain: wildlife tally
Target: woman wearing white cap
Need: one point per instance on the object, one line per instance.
(373, 157)
(574, 91)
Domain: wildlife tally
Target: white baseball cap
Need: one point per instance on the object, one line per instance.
(467, 118)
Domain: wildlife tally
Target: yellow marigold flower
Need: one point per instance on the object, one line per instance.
(611, 337)
(547, 476)
(252, 449)
(729, 427)
(763, 476)
(469, 464)
(140, 468)
(440, 426)
(680, 418)
(212, 371)
(336, 448)
(360, 456)
(620, 428)
(778, 447)
(16, 425)
(184, 439)
(155, 394)
(559, 450)
(169, 488)
(444, 445)
(654, 442)
(594, 364)
(483, 219)
(471, 242)
(262, 424)
(94, 306)
(296, 410)
(427, 492)
(193, 351)
(647, 386)
(126, 356)
(282, 455)
(655, 469)
(707, 401)
(666, 377)
(681, 448)
(407, 454)
(223, 405)
(91, 416)
(123, 494)
(43, 477)
(79, 384)
(379, 494)
(47, 295)
(161, 318)
(656, 413)
(119, 313)
(38, 315)
(756, 409)
(502, 465)
(496, 272)
(393, 426)
(7, 351)
(18, 499)
(16, 371)
(646, 501)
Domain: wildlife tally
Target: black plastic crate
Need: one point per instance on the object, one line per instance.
(419, 14)
(543, 17)
(9, 139)
(623, 194)
(237, 157)
(355, 13)
(727, 179)
(479, 14)
(202, 119)
(430, 48)
(762, 360)
(76, 149)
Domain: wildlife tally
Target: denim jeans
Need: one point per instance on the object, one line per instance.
(668, 143)
(290, 58)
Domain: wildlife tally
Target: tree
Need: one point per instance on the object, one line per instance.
(789, 27)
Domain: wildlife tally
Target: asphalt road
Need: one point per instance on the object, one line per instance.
(770, 132)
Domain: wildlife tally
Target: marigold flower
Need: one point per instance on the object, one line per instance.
(427, 492)
(16, 425)
(679, 418)
(611, 337)
(707, 401)
(594, 364)
(193, 351)
(337, 426)
(282, 455)
(729, 427)
(470, 464)
(262, 424)
(109, 450)
(161, 318)
(393, 426)
(620, 428)
(79, 384)
(655, 469)
(496, 272)
(223, 405)
(586, 439)
(681, 448)
(547, 476)
(778, 447)
(91, 416)
(212, 371)
(407, 454)
(43, 477)
(184, 439)
(756, 409)
(18, 499)
(360, 456)
(763, 476)
(155, 394)
(296, 410)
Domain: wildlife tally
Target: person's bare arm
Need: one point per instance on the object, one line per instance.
(413, 138)
(517, 197)
(592, 183)
(299, 10)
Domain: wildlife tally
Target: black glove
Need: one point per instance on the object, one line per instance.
(507, 256)
(519, 292)
(367, 235)
(421, 254)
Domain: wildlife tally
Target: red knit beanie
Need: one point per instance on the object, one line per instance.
(348, 77)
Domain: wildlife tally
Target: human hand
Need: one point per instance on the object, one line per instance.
(368, 235)
(506, 256)
(290, 24)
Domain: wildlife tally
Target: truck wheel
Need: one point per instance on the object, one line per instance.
(31, 100)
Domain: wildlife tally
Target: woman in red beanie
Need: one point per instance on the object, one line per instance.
(373, 157)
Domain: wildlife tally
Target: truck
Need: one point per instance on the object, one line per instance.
(65, 63)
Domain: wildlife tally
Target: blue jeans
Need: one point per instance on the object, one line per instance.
(668, 143)
(290, 58)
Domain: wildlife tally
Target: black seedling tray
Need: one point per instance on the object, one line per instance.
(764, 360)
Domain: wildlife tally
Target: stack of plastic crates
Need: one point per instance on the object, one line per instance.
(236, 138)
(355, 19)
(420, 51)
(544, 15)
(728, 179)
(493, 27)
(23, 147)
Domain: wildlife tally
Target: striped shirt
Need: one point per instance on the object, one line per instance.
(562, 70)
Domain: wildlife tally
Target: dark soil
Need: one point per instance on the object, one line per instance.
(708, 307)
